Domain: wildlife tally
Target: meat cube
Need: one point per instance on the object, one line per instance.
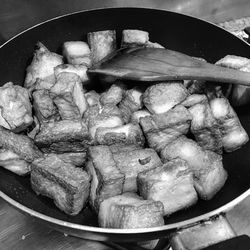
(125, 134)
(234, 135)
(68, 96)
(77, 53)
(44, 107)
(15, 107)
(77, 159)
(154, 45)
(63, 136)
(102, 43)
(92, 97)
(206, 128)
(160, 98)
(232, 61)
(206, 165)
(129, 211)
(80, 70)
(67, 185)
(19, 144)
(134, 38)
(107, 179)
(131, 102)
(12, 162)
(194, 99)
(42, 66)
(113, 95)
(132, 162)
(161, 129)
(172, 184)
(135, 117)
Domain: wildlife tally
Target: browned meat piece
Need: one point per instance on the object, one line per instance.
(125, 134)
(172, 184)
(205, 128)
(206, 165)
(77, 53)
(44, 107)
(19, 144)
(63, 136)
(102, 43)
(135, 38)
(13, 162)
(130, 211)
(194, 99)
(160, 98)
(15, 107)
(42, 66)
(68, 96)
(131, 102)
(67, 185)
(107, 180)
(113, 95)
(234, 135)
(132, 162)
(161, 129)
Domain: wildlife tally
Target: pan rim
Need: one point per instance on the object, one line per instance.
(167, 227)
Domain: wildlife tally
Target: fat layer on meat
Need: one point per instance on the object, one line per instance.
(42, 66)
(15, 107)
(125, 134)
(68, 96)
(63, 136)
(102, 43)
(206, 128)
(67, 185)
(206, 165)
(171, 183)
(234, 135)
(130, 211)
(160, 98)
(107, 179)
(133, 162)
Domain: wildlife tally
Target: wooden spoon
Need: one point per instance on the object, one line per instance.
(153, 64)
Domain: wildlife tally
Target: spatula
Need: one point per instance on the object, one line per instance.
(153, 64)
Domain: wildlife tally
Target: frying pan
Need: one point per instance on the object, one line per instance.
(175, 31)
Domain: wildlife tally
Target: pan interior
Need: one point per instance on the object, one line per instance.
(174, 31)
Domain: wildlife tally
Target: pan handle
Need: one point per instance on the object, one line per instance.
(215, 233)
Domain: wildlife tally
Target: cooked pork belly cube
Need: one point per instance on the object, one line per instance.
(172, 184)
(206, 128)
(77, 159)
(77, 52)
(160, 98)
(67, 185)
(194, 99)
(113, 95)
(107, 179)
(80, 70)
(234, 135)
(134, 38)
(12, 162)
(232, 61)
(125, 134)
(133, 162)
(19, 144)
(44, 107)
(68, 96)
(63, 136)
(135, 117)
(102, 43)
(154, 45)
(241, 94)
(128, 211)
(15, 107)
(92, 97)
(206, 165)
(42, 66)
(131, 102)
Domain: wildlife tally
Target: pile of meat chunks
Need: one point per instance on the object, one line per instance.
(133, 154)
